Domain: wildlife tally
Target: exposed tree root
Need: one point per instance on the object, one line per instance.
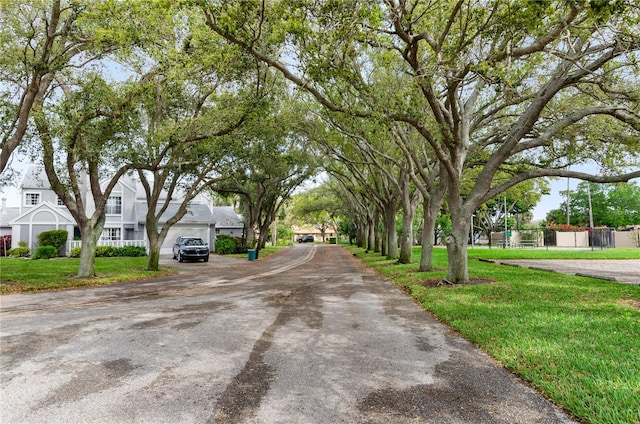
(445, 282)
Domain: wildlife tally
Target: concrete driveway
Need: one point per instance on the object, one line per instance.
(307, 335)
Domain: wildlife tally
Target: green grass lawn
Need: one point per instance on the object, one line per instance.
(576, 339)
(26, 275)
(553, 253)
(23, 275)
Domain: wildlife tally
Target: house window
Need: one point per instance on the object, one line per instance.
(60, 202)
(31, 199)
(111, 234)
(113, 206)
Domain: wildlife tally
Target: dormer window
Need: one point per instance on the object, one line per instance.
(113, 206)
(31, 199)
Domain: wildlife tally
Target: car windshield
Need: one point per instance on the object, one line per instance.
(193, 242)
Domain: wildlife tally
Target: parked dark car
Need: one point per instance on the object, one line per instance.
(306, 239)
(190, 248)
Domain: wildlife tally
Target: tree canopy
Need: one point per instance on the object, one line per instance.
(448, 102)
(611, 205)
(506, 87)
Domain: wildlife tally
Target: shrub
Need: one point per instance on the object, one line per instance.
(240, 247)
(75, 252)
(225, 244)
(110, 251)
(133, 251)
(19, 252)
(105, 251)
(55, 238)
(22, 243)
(45, 252)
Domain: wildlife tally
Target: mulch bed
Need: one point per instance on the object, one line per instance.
(431, 283)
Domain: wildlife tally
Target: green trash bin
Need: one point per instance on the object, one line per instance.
(252, 254)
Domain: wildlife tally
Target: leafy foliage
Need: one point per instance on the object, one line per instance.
(45, 252)
(5, 244)
(19, 252)
(612, 205)
(110, 251)
(55, 238)
(131, 251)
(225, 244)
(508, 90)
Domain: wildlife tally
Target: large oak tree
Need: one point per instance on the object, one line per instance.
(508, 84)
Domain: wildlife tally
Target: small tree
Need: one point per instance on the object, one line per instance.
(5, 244)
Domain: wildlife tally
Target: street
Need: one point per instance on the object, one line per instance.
(307, 335)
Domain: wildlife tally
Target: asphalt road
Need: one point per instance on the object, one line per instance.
(308, 335)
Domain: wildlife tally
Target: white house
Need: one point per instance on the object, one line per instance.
(41, 210)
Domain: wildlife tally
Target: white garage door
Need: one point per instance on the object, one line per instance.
(183, 231)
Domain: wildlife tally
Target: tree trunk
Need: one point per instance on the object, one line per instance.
(360, 236)
(409, 205)
(249, 237)
(428, 235)
(391, 236)
(263, 228)
(371, 236)
(90, 235)
(155, 243)
(458, 271)
(406, 239)
(153, 264)
(380, 244)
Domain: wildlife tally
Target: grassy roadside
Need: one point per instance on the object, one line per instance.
(576, 339)
(19, 275)
(26, 275)
(551, 253)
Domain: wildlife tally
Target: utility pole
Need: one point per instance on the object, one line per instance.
(590, 208)
(505, 221)
(472, 216)
(568, 199)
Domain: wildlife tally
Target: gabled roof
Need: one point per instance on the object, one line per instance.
(196, 214)
(7, 215)
(126, 181)
(35, 178)
(226, 217)
(64, 217)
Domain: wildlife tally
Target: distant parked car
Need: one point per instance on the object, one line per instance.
(306, 239)
(190, 248)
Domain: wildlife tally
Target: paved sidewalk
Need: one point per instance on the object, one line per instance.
(620, 270)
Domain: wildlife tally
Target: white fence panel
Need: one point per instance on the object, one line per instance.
(72, 244)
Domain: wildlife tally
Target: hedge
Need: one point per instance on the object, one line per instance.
(55, 238)
(45, 252)
(110, 251)
(19, 252)
(225, 244)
